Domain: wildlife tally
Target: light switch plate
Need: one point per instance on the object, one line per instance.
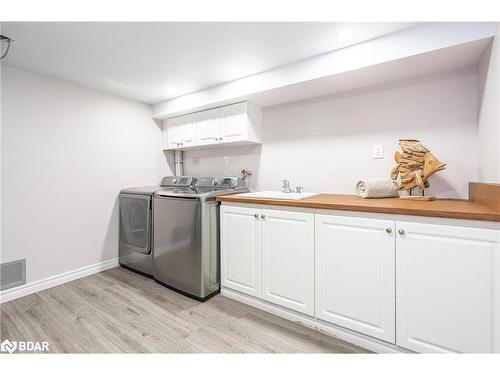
(378, 151)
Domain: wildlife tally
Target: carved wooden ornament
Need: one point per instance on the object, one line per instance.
(415, 164)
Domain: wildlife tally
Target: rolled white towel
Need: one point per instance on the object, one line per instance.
(377, 188)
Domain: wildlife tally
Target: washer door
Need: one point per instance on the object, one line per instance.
(135, 222)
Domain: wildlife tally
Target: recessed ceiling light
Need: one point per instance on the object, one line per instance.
(233, 69)
(171, 91)
(345, 34)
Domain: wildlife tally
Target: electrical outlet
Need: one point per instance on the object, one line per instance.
(378, 151)
(226, 160)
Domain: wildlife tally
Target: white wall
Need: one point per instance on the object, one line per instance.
(488, 113)
(325, 144)
(66, 153)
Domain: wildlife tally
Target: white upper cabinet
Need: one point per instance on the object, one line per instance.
(239, 123)
(170, 133)
(208, 126)
(188, 132)
(179, 132)
(355, 275)
(448, 288)
(234, 125)
(288, 259)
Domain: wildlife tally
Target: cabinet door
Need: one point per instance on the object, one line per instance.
(241, 249)
(187, 136)
(288, 259)
(355, 275)
(207, 126)
(172, 131)
(233, 123)
(447, 288)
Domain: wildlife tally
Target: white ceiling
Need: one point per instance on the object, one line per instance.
(151, 62)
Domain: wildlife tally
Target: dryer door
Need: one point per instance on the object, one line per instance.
(135, 222)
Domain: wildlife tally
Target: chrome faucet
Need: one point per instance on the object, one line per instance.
(286, 187)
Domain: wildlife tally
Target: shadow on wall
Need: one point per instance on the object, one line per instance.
(110, 243)
(159, 123)
(483, 69)
(169, 158)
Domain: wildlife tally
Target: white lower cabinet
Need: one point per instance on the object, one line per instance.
(241, 250)
(448, 288)
(288, 259)
(269, 254)
(426, 287)
(355, 274)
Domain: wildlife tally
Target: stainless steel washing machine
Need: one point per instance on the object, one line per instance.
(186, 235)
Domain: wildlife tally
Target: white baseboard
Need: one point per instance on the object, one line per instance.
(363, 341)
(49, 282)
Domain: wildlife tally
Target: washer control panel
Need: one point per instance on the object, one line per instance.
(224, 182)
(181, 181)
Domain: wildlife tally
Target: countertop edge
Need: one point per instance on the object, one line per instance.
(463, 215)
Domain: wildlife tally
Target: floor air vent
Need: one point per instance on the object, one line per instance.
(12, 274)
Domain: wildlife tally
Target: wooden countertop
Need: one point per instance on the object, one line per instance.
(471, 209)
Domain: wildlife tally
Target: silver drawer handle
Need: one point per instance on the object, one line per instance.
(401, 231)
(263, 216)
(388, 230)
(256, 216)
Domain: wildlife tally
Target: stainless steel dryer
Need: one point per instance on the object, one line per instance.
(136, 224)
(186, 235)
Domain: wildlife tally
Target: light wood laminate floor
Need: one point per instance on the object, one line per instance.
(118, 311)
